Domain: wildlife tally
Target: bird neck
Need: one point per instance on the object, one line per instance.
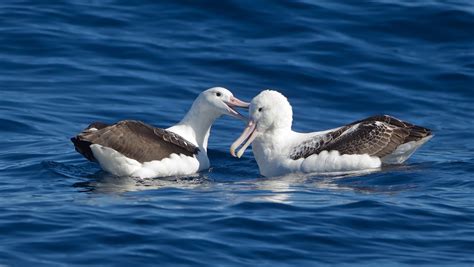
(196, 124)
(280, 132)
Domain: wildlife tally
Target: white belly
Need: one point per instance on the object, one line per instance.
(335, 162)
(323, 162)
(176, 165)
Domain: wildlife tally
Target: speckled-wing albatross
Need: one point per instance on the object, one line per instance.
(361, 145)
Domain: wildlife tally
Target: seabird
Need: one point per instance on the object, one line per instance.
(361, 145)
(133, 148)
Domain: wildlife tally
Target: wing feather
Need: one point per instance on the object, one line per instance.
(376, 136)
(134, 139)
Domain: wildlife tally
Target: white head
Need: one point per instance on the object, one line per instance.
(269, 111)
(221, 102)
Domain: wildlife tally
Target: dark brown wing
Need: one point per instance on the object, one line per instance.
(375, 136)
(133, 139)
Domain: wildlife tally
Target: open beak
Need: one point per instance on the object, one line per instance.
(232, 104)
(249, 134)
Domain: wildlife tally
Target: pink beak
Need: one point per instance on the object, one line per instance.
(235, 102)
(249, 134)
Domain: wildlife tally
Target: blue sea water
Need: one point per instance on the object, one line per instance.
(64, 64)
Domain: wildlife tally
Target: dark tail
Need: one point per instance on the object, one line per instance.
(417, 133)
(83, 147)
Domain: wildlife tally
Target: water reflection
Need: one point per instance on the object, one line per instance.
(277, 189)
(106, 183)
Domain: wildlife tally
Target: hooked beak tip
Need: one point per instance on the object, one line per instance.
(232, 152)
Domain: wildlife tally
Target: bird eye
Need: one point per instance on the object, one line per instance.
(260, 109)
(218, 94)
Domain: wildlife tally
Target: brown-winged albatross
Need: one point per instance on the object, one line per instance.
(361, 145)
(133, 148)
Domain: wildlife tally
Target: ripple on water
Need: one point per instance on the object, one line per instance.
(67, 64)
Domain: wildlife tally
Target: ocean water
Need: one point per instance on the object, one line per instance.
(64, 64)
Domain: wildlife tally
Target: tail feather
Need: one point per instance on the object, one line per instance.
(417, 133)
(82, 145)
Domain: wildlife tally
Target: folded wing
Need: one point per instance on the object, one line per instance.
(133, 139)
(376, 136)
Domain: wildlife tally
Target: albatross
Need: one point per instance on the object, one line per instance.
(362, 145)
(133, 148)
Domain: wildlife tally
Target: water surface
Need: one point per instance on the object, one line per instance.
(66, 64)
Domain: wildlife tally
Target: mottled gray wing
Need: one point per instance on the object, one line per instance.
(133, 139)
(375, 136)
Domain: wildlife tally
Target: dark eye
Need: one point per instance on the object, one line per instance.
(260, 109)
(218, 94)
